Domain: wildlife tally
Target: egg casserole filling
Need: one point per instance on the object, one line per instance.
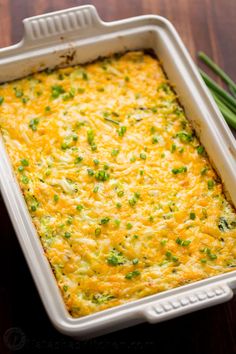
(119, 188)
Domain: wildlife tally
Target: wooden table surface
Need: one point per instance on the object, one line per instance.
(207, 25)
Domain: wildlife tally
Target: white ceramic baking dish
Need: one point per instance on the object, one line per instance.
(78, 35)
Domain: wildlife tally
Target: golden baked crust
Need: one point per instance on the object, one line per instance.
(121, 192)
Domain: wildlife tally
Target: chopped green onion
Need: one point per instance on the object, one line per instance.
(79, 207)
(102, 298)
(57, 90)
(182, 169)
(204, 171)
(67, 234)
(90, 139)
(132, 201)
(25, 179)
(133, 274)
(143, 156)
(183, 243)
(78, 159)
(33, 124)
(117, 222)
(112, 121)
(75, 137)
(170, 257)
(122, 131)
(98, 231)
(102, 175)
(212, 256)
(47, 109)
(155, 140)
(90, 136)
(84, 76)
(104, 220)
(173, 148)
(25, 100)
(184, 137)
(55, 198)
(223, 224)
(115, 258)
(133, 159)
(207, 251)
(64, 146)
(90, 172)
(18, 92)
(95, 189)
(24, 162)
(129, 226)
(20, 168)
(210, 184)
(115, 152)
(200, 150)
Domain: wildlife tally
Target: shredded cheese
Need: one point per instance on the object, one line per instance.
(120, 190)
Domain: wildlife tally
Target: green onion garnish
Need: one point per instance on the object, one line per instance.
(90, 172)
(192, 216)
(112, 121)
(24, 162)
(67, 234)
(210, 184)
(183, 243)
(143, 156)
(78, 159)
(57, 90)
(25, 179)
(33, 124)
(133, 274)
(209, 62)
(102, 175)
(104, 220)
(98, 231)
(182, 169)
(121, 131)
(55, 198)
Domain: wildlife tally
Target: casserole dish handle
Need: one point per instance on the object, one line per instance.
(188, 301)
(77, 22)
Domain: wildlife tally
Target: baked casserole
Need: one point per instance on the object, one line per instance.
(119, 188)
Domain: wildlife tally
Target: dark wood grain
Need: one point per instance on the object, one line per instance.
(207, 25)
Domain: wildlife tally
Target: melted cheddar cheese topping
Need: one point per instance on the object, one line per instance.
(120, 190)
